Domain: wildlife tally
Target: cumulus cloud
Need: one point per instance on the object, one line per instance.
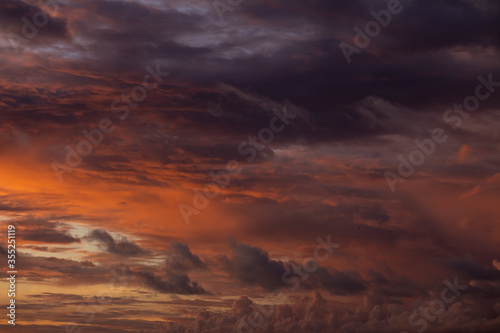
(45, 231)
(323, 174)
(180, 258)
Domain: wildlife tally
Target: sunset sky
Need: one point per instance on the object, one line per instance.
(177, 165)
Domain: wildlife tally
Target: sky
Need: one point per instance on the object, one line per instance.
(250, 165)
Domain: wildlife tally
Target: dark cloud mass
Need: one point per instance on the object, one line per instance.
(46, 231)
(252, 266)
(15, 13)
(122, 247)
(181, 258)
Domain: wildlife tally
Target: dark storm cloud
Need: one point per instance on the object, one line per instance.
(389, 284)
(251, 265)
(77, 269)
(328, 84)
(226, 79)
(168, 279)
(122, 247)
(171, 283)
(182, 259)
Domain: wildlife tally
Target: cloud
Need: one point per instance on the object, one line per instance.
(122, 247)
(252, 265)
(13, 11)
(316, 314)
(170, 283)
(172, 277)
(321, 175)
(180, 258)
(45, 231)
(337, 282)
(471, 268)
